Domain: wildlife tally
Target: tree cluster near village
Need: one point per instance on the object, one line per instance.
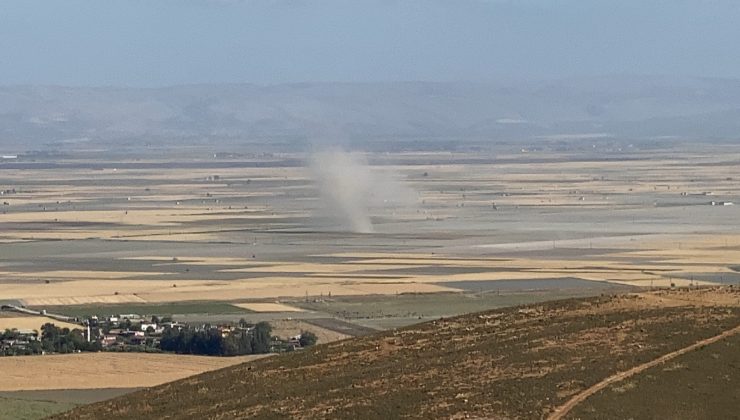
(64, 340)
(215, 342)
(53, 339)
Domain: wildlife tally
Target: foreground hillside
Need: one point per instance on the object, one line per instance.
(523, 362)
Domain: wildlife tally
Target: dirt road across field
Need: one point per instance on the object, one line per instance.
(564, 409)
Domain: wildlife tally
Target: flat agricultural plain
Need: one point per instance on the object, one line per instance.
(211, 239)
(268, 307)
(148, 231)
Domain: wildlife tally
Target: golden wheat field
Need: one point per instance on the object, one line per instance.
(105, 370)
(32, 323)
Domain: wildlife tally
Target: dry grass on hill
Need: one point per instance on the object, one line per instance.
(520, 362)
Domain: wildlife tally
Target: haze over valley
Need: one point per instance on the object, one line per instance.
(369, 116)
(247, 209)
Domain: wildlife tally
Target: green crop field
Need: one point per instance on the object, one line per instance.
(23, 409)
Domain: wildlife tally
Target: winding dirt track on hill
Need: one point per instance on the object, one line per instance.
(563, 410)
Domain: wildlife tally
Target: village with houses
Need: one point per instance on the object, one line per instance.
(143, 333)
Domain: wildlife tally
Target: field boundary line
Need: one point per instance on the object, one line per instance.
(561, 411)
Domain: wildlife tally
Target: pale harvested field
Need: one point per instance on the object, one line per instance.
(268, 307)
(32, 323)
(286, 329)
(139, 235)
(291, 288)
(90, 291)
(665, 283)
(67, 274)
(169, 217)
(646, 267)
(200, 260)
(82, 300)
(651, 267)
(101, 288)
(319, 268)
(105, 370)
(169, 237)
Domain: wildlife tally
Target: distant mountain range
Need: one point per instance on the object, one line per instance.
(51, 117)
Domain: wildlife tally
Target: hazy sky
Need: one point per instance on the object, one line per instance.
(166, 42)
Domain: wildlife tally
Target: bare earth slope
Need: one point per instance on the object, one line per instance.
(522, 362)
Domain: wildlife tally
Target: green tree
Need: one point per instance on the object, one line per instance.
(261, 337)
(10, 334)
(308, 339)
(245, 344)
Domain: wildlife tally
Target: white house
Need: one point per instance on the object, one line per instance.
(145, 326)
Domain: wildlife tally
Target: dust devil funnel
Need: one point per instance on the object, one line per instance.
(345, 182)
